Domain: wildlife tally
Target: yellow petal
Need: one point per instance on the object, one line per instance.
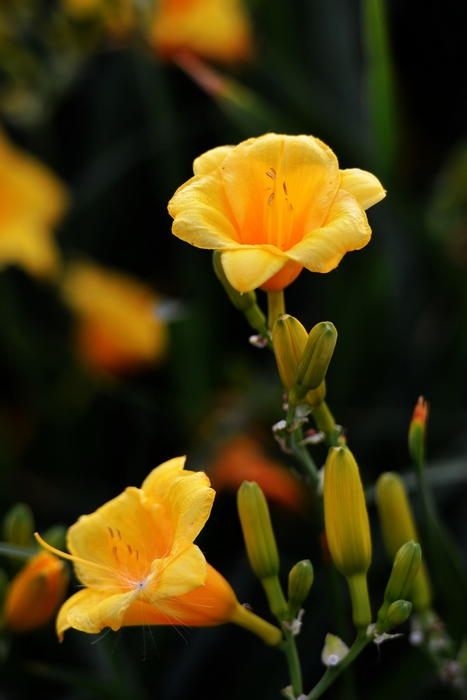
(365, 187)
(210, 160)
(248, 268)
(202, 214)
(186, 498)
(278, 186)
(121, 536)
(346, 228)
(90, 611)
(177, 575)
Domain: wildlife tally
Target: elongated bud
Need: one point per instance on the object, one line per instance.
(398, 526)
(35, 593)
(260, 543)
(257, 530)
(18, 525)
(316, 356)
(417, 432)
(398, 613)
(300, 581)
(288, 339)
(405, 568)
(347, 527)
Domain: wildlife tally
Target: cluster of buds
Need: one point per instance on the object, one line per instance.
(37, 588)
(303, 359)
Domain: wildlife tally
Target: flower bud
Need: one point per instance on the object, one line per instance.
(397, 614)
(398, 527)
(417, 432)
(405, 568)
(261, 544)
(347, 527)
(288, 339)
(316, 356)
(300, 581)
(18, 525)
(35, 593)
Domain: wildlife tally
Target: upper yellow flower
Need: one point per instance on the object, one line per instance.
(274, 205)
(213, 29)
(117, 326)
(136, 558)
(32, 200)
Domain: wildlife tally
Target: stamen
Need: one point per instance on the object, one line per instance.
(271, 197)
(129, 549)
(71, 557)
(119, 535)
(114, 553)
(136, 554)
(285, 188)
(271, 173)
(111, 531)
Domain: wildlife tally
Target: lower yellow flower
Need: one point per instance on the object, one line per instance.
(117, 326)
(32, 200)
(136, 558)
(35, 593)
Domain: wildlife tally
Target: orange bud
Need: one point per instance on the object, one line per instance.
(35, 593)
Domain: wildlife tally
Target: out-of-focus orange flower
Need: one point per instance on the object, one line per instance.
(117, 326)
(32, 200)
(214, 29)
(35, 593)
(242, 459)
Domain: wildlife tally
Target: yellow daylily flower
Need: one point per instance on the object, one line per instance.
(136, 558)
(32, 200)
(33, 596)
(214, 29)
(117, 326)
(273, 205)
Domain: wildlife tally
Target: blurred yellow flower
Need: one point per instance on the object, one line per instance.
(214, 29)
(32, 200)
(136, 558)
(273, 205)
(35, 593)
(117, 326)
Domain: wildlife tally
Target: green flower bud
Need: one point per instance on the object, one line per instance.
(398, 527)
(405, 568)
(18, 525)
(260, 543)
(347, 527)
(417, 432)
(316, 356)
(288, 340)
(300, 581)
(398, 613)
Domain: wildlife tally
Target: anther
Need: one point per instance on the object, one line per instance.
(118, 533)
(129, 549)
(285, 188)
(271, 197)
(271, 173)
(111, 531)
(114, 553)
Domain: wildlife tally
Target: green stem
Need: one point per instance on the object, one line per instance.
(276, 307)
(293, 438)
(293, 662)
(333, 672)
(16, 550)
